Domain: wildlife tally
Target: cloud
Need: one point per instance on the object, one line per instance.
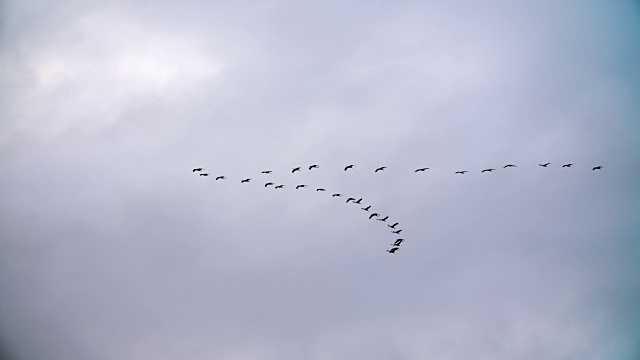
(113, 248)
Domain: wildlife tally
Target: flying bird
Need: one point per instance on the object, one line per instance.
(204, 174)
(295, 169)
(300, 186)
(599, 167)
(489, 170)
(348, 167)
(384, 218)
(197, 169)
(267, 172)
(313, 167)
(372, 215)
(398, 242)
(393, 250)
(357, 201)
(366, 208)
(338, 195)
(245, 181)
(421, 169)
(508, 165)
(350, 199)
(393, 226)
(321, 189)
(267, 184)
(220, 177)
(380, 168)
(544, 165)
(567, 165)
(397, 232)
(462, 172)
(279, 186)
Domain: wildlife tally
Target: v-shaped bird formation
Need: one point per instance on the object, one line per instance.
(395, 246)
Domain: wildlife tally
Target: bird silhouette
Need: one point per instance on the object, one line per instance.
(267, 172)
(567, 165)
(380, 168)
(245, 181)
(204, 174)
(508, 165)
(366, 208)
(372, 215)
(544, 165)
(279, 186)
(393, 250)
(357, 201)
(267, 184)
(393, 226)
(220, 177)
(300, 186)
(313, 167)
(384, 218)
(321, 189)
(398, 242)
(295, 169)
(338, 195)
(197, 169)
(348, 167)
(462, 172)
(350, 199)
(421, 169)
(489, 170)
(397, 232)
(599, 167)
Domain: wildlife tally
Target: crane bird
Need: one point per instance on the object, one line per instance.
(544, 165)
(204, 174)
(380, 168)
(508, 165)
(267, 172)
(267, 184)
(295, 169)
(338, 195)
(279, 186)
(300, 186)
(197, 169)
(462, 172)
(567, 165)
(348, 167)
(489, 170)
(599, 167)
(220, 177)
(372, 215)
(350, 199)
(384, 218)
(397, 232)
(393, 226)
(321, 189)
(244, 181)
(421, 169)
(366, 208)
(398, 242)
(393, 250)
(357, 201)
(313, 167)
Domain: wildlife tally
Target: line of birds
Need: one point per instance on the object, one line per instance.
(461, 172)
(395, 244)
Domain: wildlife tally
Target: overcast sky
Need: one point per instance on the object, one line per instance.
(112, 248)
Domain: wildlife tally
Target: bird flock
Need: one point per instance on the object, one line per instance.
(395, 246)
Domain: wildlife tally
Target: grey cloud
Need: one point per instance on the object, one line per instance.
(113, 249)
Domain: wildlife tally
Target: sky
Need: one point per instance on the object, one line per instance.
(111, 247)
